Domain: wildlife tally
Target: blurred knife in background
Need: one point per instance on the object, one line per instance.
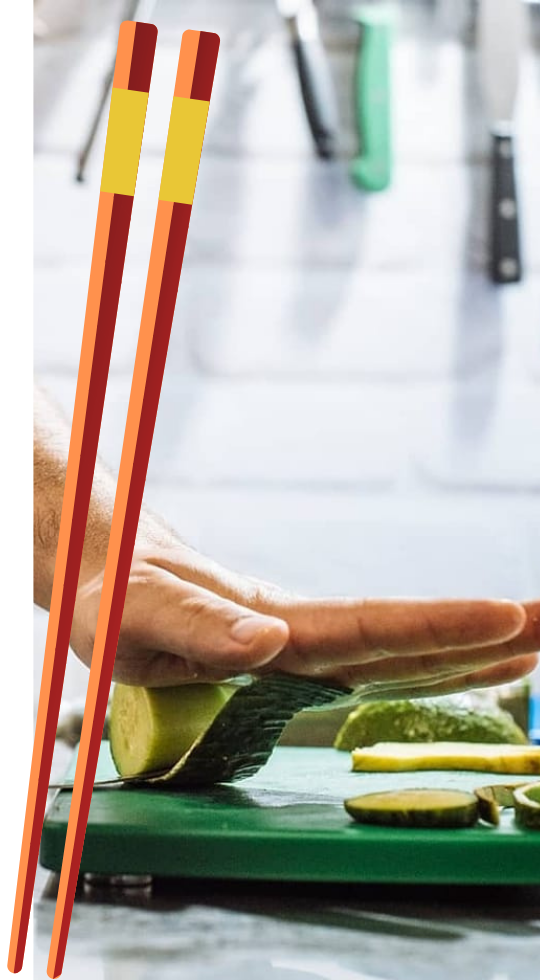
(313, 73)
(500, 40)
(372, 168)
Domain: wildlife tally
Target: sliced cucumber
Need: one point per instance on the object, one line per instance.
(415, 808)
(527, 806)
(402, 756)
(493, 799)
(151, 728)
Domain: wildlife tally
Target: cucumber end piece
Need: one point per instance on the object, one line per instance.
(152, 728)
(527, 806)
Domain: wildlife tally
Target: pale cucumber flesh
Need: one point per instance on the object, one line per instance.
(152, 728)
(409, 756)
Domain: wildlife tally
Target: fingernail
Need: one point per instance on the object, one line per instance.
(246, 629)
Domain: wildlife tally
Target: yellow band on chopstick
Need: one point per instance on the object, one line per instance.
(183, 150)
(124, 140)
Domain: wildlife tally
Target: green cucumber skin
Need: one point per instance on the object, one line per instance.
(527, 818)
(413, 721)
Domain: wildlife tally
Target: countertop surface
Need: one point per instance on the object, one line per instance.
(275, 932)
(299, 438)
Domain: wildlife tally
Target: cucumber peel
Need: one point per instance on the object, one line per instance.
(527, 806)
(410, 756)
(415, 808)
(435, 720)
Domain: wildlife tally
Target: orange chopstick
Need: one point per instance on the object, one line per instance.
(197, 63)
(133, 70)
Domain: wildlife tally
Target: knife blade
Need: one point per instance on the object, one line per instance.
(500, 39)
(316, 84)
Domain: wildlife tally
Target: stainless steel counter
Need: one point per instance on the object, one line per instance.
(272, 932)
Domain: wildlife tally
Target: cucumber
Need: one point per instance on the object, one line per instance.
(415, 808)
(151, 728)
(527, 806)
(409, 756)
(436, 720)
(492, 799)
(198, 734)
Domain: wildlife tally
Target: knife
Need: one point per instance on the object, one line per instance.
(500, 38)
(372, 168)
(313, 73)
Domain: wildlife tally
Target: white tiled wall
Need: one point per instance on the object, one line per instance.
(348, 406)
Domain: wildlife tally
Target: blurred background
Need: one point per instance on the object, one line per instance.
(350, 404)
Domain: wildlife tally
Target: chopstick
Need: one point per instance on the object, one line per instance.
(194, 80)
(129, 97)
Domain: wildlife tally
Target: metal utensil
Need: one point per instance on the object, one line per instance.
(500, 39)
(313, 73)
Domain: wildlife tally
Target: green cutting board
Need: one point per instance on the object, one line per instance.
(287, 823)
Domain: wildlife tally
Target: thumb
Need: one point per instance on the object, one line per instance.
(177, 631)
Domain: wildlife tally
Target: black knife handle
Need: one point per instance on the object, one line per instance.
(505, 257)
(317, 93)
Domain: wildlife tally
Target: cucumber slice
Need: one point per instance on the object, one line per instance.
(151, 728)
(403, 756)
(415, 808)
(493, 799)
(527, 806)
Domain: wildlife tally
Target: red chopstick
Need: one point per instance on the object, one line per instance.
(131, 84)
(193, 88)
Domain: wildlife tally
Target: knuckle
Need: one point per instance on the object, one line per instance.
(432, 633)
(195, 611)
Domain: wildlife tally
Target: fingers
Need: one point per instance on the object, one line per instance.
(173, 631)
(424, 667)
(336, 632)
(503, 673)
(527, 640)
(151, 668)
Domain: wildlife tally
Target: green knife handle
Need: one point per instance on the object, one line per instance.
(372, 169)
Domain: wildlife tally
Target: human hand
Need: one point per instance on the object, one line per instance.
(188, 619)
